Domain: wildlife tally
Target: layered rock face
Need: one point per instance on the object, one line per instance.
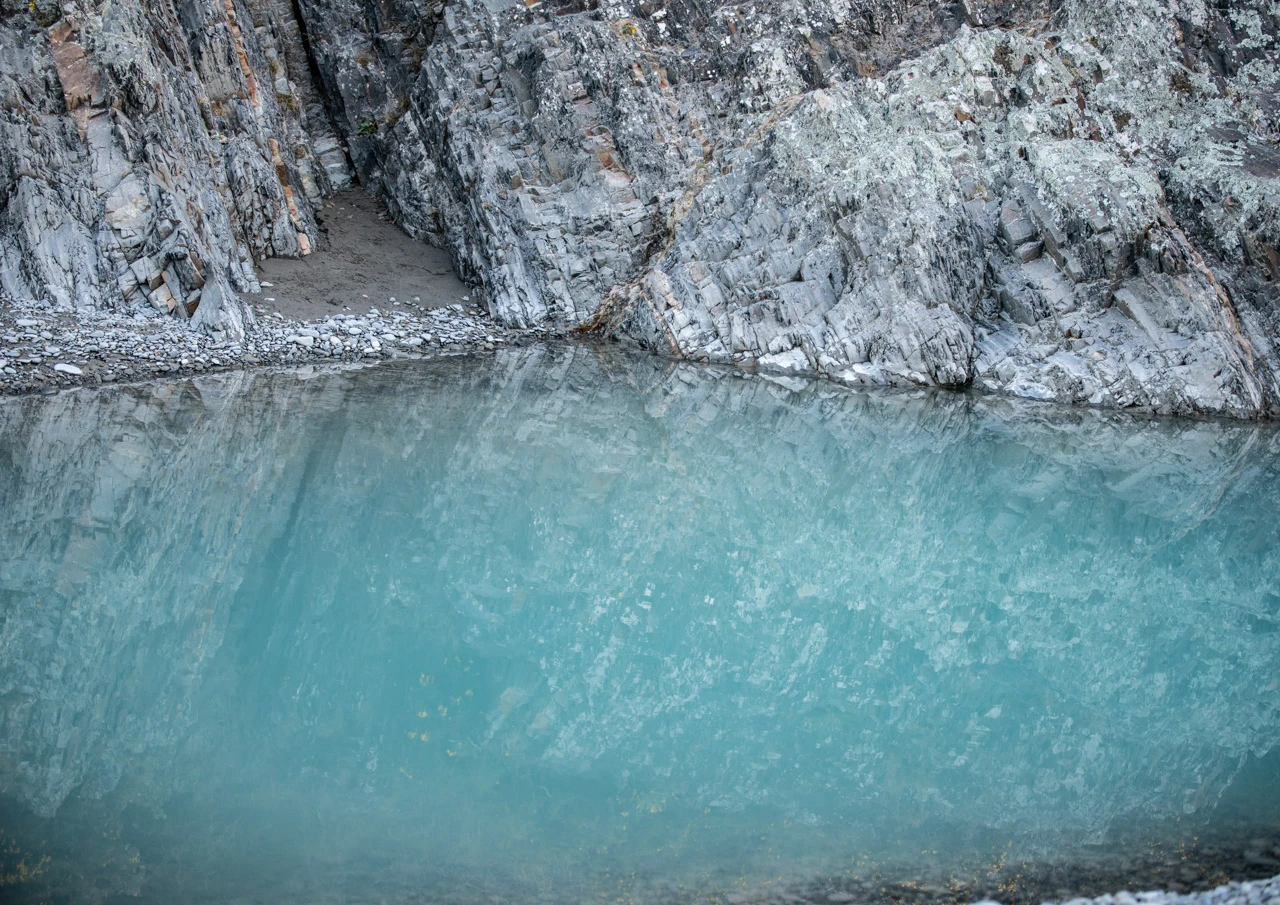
(151, 153)
(1082, 206)
(1076, 201)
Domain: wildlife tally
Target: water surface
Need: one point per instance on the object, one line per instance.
(569, 625)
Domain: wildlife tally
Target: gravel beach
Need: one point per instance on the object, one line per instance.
(43, 351)
(369, 292)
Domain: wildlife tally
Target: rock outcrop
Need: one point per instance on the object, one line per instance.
(1069, 200)
(150, 154)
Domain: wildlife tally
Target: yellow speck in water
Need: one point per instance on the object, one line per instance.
(425, 737)
(422, 713)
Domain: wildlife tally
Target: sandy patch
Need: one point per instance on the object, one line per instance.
(363, 262)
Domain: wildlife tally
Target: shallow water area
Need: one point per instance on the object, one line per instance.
(567, 624)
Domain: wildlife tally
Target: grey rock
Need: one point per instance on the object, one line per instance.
(1057, 199)
(139, 170)
(862, 209)
(1230, 894)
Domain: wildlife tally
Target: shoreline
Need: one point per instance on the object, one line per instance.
(106, 348)
(368, 293)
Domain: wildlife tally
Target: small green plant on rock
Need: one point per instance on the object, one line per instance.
(368, 128)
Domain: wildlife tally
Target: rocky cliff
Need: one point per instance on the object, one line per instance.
(1073, 200)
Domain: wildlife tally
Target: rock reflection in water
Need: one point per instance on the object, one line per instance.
(565, 611)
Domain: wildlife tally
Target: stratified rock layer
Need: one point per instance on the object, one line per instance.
(1076, 201)
(150, 154)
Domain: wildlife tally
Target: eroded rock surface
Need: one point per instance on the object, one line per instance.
(149, 155)
(1074, 200)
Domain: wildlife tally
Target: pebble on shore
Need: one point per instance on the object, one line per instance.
(44, 350)
(1257, 892)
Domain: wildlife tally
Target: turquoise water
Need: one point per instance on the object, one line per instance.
(565, 624)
